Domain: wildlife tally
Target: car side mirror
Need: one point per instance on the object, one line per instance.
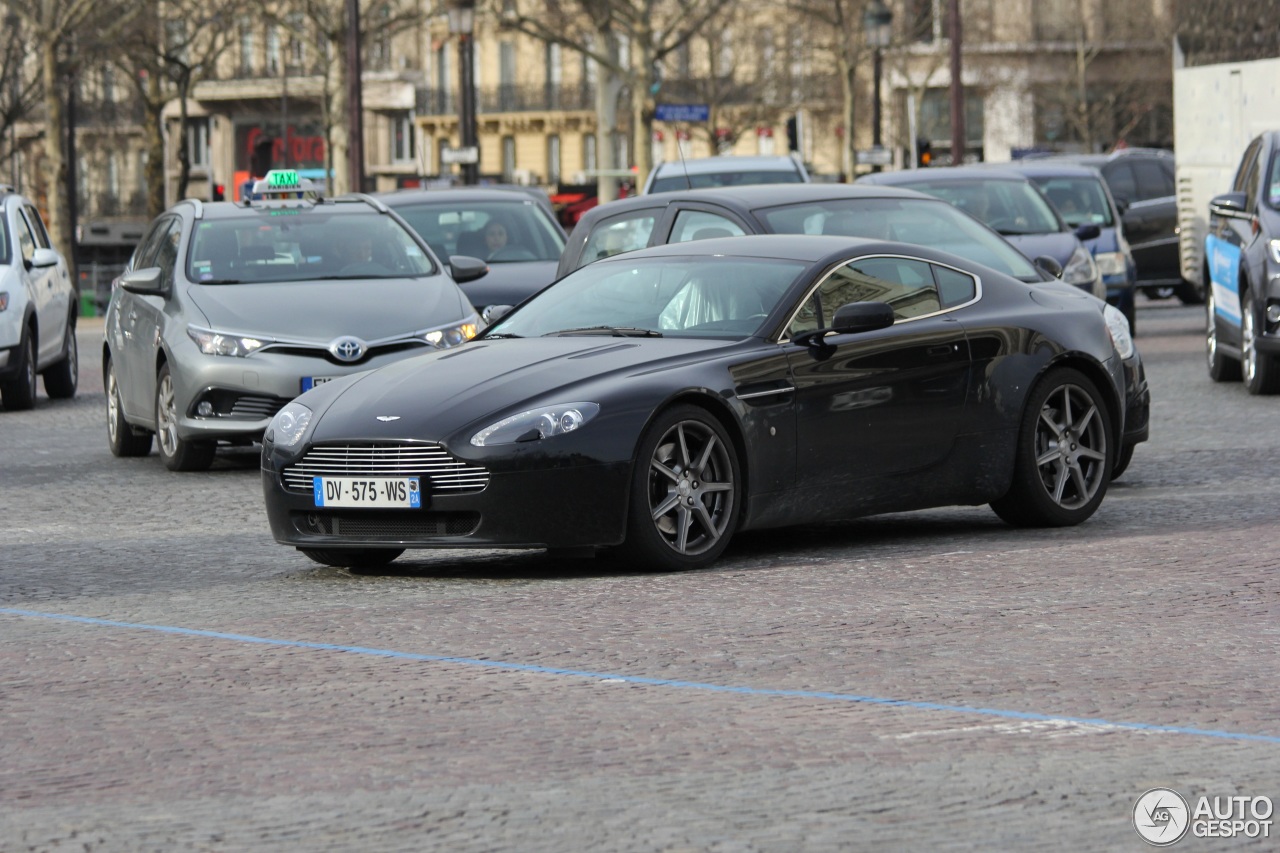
(1230, 206)
(494, 313)
(44, 258)
(1049, 266)
(466, 268)
(850, 319)
(1088, 231)
(148, 280)
(1122, 205)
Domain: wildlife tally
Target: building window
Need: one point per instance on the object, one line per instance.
(402, 147)
(441, 145)
(508, 158)
(589, 152)
(380, 40)
(297, 54)
(198, 142)
(554, 76)
(248, 46)
(507, 76)
(553, 159)
(1055, 20)
(273, 50)
(175, 37)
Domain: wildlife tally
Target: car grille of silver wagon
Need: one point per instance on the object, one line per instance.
(444, 474)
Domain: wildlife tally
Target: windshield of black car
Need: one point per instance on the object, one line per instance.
(676, 179)
(292, 244)
(691, 297)
(1081, 201)
(496, 231)
(925, 222)
(1012, 207)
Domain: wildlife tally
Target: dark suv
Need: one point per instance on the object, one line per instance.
(1141, 181)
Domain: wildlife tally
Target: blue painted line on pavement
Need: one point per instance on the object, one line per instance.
(653, 682)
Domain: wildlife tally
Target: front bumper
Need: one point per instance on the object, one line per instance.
(1137, 418)
(565, 506)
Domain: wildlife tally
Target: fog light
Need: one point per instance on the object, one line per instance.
(1273, 313)
(205, 409)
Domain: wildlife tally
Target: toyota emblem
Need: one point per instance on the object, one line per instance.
(348, 349)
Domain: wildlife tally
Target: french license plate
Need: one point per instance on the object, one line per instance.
(372, 492)
(309, 382)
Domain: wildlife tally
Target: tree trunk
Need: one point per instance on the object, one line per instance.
(184, 153)
(339, 127)
(849, 148)
(154, 130)
(55, 161)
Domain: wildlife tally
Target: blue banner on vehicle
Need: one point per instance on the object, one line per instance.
(1224, 274)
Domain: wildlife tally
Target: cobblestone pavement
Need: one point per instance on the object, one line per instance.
(171, 679)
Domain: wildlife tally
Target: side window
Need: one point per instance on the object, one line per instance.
(1250, 188)
(1153, 182)
(1123, 185)
(26, 240)
(907, 285)
(145, 252)
(166, 256)
(954, 287)
(701, 225)
(624, 233)
(1248, 161)
(37, 226)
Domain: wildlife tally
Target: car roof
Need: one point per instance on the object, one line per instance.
(1052, 168)
(728, 163)
(1099, 159)
(452, 194)
(942, 174)
(808, 248)
(755, 196)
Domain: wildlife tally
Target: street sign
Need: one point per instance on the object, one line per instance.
(682, 112)
(466, 156)
(875, 157)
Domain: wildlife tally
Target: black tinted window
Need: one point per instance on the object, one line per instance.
(1152, 181)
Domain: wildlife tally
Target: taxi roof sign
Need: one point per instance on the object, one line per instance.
(283, 184)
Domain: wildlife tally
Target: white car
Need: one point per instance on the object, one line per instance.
(38, 308)
(725, 171)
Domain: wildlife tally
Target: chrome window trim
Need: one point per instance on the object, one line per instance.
(977, 280)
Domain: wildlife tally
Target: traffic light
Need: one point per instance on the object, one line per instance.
(219, 192)
(924, 153)
(793, 133)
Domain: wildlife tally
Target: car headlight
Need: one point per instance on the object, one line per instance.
(536, 424)
(451, 336)
(1275, 250)
(289, 425)
(221, 343)
(1080, 269)
(4, 300)
(1110, 263)
(1118, 327)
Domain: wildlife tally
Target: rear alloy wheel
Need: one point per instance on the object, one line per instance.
(19, 393)
(1222, 368)
(1260, 371)
(685, 492)
(120, 436)
(356, 558)
(179, 454)
(61, 379)
(1063, 461)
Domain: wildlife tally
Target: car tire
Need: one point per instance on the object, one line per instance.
(1259, 370)
(62, 378)
(1222, 368)
(1064, 455)
(686, 492)
(121, 437)
(355, 558)
(19, 393)
(1190, 294)
(179, 454)
(1123, 458)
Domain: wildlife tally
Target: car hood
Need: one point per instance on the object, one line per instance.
(1058, 245)
(323, 310)
(510, 283)
(434, 395)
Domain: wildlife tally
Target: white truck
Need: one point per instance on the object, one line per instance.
(1217, 110)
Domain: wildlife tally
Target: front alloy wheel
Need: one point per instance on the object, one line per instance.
(1259, 369)
(179, 454)
(1222, 368)
(685, 497)
(120, 436)
(1064, 458)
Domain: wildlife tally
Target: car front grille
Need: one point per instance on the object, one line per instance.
(432, 462)
(256, 407)
(413, 526)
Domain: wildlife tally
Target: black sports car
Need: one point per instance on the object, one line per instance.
(659, 401)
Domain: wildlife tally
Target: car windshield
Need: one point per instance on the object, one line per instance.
(693, 297)
(1081, 201)
(909, 220)
(496, 231)
(292, 244)
(675, 179)
(1273, 183)
(1012, 207)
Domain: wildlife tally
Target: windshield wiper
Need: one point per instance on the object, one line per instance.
(615, 331)
(221, 281)
(500, 335)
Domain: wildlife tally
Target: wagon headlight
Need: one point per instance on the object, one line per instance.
(536, 424)
(1110, 263)
(1080, 269)
(220, 343)
(451, 336)
(1274, 246)
(289, 425)
(1118, 327)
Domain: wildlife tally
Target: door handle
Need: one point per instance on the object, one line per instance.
(941, 350)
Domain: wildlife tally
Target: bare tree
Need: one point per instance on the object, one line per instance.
(57, 31)
(20, 92)
(645, 32)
